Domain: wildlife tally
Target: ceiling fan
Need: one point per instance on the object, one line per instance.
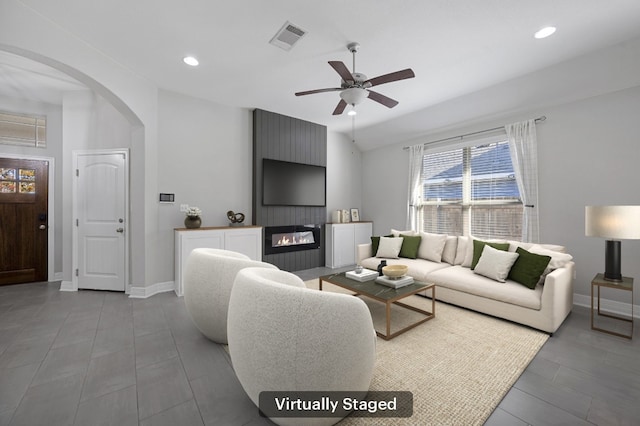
(354, 87)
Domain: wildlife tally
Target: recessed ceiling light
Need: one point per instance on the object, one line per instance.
(545, 32)
(190, 60)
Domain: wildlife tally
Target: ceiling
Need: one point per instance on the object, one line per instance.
(455, 47)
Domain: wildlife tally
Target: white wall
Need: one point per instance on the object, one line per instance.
(589, 152)
(204, 158)
(344, 175)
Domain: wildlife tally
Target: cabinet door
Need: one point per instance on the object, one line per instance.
(186, 242)
(343, 245)
(363, 232)
(245, 241)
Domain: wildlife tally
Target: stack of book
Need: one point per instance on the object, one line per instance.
(365, 275)
(395, 282)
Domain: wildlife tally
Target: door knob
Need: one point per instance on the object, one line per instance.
(43, 227)
(121, 230)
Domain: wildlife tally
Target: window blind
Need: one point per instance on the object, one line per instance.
(24, 130)
(472, 190)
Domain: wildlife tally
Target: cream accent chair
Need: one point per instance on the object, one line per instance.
(208, 279)
(285, 337)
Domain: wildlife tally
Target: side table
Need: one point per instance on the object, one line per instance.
(627, 285)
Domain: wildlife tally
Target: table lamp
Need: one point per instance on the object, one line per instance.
(614, 223)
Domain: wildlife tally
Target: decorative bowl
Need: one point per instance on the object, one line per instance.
(395, 271)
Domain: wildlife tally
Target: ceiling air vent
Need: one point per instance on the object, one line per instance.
(287, 36)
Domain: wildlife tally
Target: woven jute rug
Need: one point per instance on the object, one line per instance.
(458, 365)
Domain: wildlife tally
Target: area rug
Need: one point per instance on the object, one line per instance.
(458, 365)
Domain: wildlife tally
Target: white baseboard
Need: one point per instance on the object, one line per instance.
(611, 306)
(68, 286)
(144, 292)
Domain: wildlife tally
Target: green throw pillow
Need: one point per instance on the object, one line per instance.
(375, 243)
(478, 246)
(528, 268)
(410, 245)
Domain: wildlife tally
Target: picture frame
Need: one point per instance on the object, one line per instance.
(355, 215)
(345, 216)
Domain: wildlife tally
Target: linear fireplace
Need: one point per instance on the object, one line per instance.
(284, 239)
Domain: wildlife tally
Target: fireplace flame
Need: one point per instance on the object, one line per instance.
(295, 238)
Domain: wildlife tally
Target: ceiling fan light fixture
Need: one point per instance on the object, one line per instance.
(354, 95)
(352, 111)
(544, 32)
(190, 60)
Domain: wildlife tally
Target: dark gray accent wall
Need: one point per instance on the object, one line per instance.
(279, 137)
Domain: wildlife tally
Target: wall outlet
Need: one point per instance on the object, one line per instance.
(184, 207)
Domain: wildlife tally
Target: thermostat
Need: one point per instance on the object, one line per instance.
(167, 198)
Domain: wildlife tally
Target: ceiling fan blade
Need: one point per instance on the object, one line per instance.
(340, 107)
(311, 92)
(341, 69)
(394, 76)
(382, 99)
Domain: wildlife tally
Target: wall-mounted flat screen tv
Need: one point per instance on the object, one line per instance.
(293, 184)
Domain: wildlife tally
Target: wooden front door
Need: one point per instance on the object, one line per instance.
(23, 220)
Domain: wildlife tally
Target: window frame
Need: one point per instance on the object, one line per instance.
(466, 202)
(37, 124)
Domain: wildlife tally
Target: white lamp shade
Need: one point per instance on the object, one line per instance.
(614, 222)
(354, 95)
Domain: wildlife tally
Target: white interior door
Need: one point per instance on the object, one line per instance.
(101, 220)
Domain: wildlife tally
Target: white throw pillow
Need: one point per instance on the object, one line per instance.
(397, 233)
(558, 260)
(461, 250)
(431, 246)
(449, 251)
(495, 264)
(468, 255)
(389, 247)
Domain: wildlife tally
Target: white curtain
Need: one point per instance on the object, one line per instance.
(524, 156)
(414, 197)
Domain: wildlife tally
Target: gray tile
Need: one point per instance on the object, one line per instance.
(65, 361)
(499, 417)
(26, 351)
(53, 403)
(7, 336)
(117, 408)
(5, 417)
(222, 400)
(537, 412)
(148, 318)
(602, 381)
(113, 339)
(13, 385)
(155, 347)
(566, 398)
(161, 386)
(185, 414)
(109, 373)
(201, 357)
(76, 331)
(43, 327)
(614, 413)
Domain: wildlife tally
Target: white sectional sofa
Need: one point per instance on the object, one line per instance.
(544, 306)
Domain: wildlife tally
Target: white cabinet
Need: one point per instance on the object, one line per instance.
(342, 240)
(246, 240)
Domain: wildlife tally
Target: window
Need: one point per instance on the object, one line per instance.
(471, 190)
(23, 130)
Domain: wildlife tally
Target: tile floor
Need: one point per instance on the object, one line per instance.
(99, 357)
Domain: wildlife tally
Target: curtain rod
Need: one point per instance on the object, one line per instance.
(539, 119)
